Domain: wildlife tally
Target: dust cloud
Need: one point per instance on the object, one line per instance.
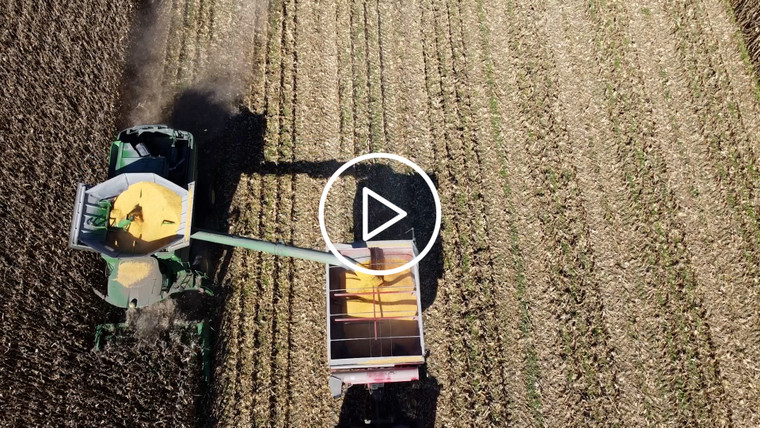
(217, 67)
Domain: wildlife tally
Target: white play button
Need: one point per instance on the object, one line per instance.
(400, 214)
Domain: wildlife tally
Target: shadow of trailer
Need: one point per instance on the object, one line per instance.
(374, 323)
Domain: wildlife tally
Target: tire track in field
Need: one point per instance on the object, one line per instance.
(246, 310)
(225, 370)
(415, 138)
(169, 73)
(255, 366)
(146, 64)
(242, 314)
(688, 377)
(351, 104)
(410, 136)
(717, 256)
(289, 382)
(256, 369)
(273, 76)
(393, 55)
(174, 46)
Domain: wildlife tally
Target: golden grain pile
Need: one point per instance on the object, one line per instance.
(132, 271)
(152, 212)
(379, 296)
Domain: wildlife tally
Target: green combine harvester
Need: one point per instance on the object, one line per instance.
(141, 219)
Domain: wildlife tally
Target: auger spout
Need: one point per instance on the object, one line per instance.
(268, 247)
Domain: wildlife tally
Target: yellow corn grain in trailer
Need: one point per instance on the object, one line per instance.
(370, 296)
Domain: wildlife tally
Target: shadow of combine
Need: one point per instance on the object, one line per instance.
(230, 145)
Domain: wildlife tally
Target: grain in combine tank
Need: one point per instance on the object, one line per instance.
(143, 214)
(132, 271)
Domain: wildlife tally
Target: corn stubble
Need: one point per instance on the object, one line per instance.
(597, 167)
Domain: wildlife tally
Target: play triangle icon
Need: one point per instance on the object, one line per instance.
(400, 214)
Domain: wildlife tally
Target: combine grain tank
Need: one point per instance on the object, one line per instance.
(374, 323)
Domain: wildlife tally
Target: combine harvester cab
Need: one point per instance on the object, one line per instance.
(374, 323)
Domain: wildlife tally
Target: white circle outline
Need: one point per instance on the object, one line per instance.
(337, 174)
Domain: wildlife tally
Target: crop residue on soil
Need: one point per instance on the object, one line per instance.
(596, 162)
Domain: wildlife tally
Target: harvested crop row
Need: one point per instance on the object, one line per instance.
(485, 270)
(316, 129)
(727, 125)
(516, 330)
(686, 372)
(581, 101)
(455, 295)
(716, 252)
(570, 303)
